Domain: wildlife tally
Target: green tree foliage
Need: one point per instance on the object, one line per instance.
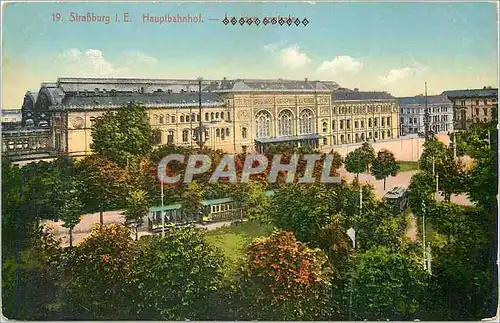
(422, 188)
(434, 150)
(355, 162)
(282, 279)
(104, 182)
(368, 153)
(191, 202)
(98, 276)
(384, 165)
(123, 135)
(137, 209)
(387, 285)
(463, 263)
(176, 277)
(337, 160)
(71, 207)
(30, 286)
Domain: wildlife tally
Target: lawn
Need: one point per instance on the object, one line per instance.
(233, 240)
(406, 166)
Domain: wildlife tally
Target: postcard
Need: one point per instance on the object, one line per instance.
(239, 161)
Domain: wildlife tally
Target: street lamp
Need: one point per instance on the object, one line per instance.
(200, 131)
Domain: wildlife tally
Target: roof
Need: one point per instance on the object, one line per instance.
(357, 95)
(287, 138)
(11, 111)
(273, 85)
(150, 100)
(471, 93)
(217, 201)
(420, 99)
(165, 208)
(395, 192)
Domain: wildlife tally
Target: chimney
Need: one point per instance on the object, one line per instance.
(306, 80)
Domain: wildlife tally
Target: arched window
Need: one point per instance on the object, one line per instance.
(185, 136)
(306, 122)
(222, 134)
(369, 122)
(155, 119)
(228, 116)
(167, 118)
(375, 122)
(333, 125)
(227, 132)
(342, 141)
(363, 136)
(325, 127)
(211, 116)
(217, 133)
(170, 137)
(206, 116)
(157, 137)
(285, 123)
(389, 133)
(217, 115)
(173, 119)
(263, 123)
(161, 118)
(388, 121)
(193, 117)
(222, 115)
(182, 118)
(244, 133)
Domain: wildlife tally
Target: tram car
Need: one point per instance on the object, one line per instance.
(397, 198)
(215, 210)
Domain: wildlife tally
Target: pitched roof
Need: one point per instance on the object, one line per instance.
(152, 100)
(357, 95)
(274, 85)
(471, 93)
(420, 99)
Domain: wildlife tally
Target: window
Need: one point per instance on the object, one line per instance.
(161, 118)
(411, 120)
(263, 124)
(477, 111)
(222, 134)
(173, 119)
(462, 102)
(185, 135)
(485, 111)
(382, 119)
(170, 137)
(342, 140)
(157, 137)
(375, 122)
(325, 127)
(362, 124)
(388, 121)
(306, 122)
(222, 115)
(182, 118)
(369, 122)
(356, 124)
(217, 133)
(341, 124)
(193, 117)
(348, 124)
(155, 119)
(333, 125)
(376, 134)
(206, 116)
(228, 116)
(227, 132)
(285, 123)
(415, 120)
(383, 135)
(244, 133)
(217, 115)
(211, 116)
(198, 117)
(477, 102)
(324, 141)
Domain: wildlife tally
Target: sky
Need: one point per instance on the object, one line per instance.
(393, 47)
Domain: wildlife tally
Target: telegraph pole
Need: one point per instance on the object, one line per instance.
(201, 130)
(423, 234)
(162, 211)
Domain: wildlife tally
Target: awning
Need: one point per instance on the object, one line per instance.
(287, 138)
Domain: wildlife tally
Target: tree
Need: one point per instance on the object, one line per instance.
(421, 189)
(137, 209)
(71, 209)
(337, 160)
(123, 135)
(30, 285)
(176, 277)
(104, 182)
(368, 154)
(356, 162)
(384, 165)
(387, 285)
(434, 152)
(98, 275)
(191, 202)
(282, 279)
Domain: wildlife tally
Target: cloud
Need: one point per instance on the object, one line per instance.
(292, 57)
(274, 47)
(341, 64)
(398, 74)
(139, 58)
(90, 63)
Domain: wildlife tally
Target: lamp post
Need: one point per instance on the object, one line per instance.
(352, 234)
(423, 234)
(162, 211)
(200, 130)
